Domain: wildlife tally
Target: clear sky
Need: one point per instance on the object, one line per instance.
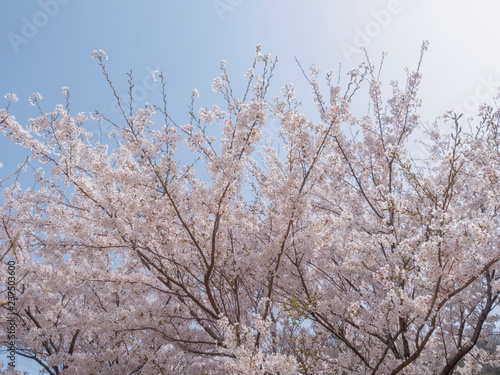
(46, 44)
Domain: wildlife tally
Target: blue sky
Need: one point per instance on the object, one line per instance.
(46, 44)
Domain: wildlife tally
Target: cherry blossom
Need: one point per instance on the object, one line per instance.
(335, 252)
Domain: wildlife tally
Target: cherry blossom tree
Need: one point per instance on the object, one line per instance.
(339, 253)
